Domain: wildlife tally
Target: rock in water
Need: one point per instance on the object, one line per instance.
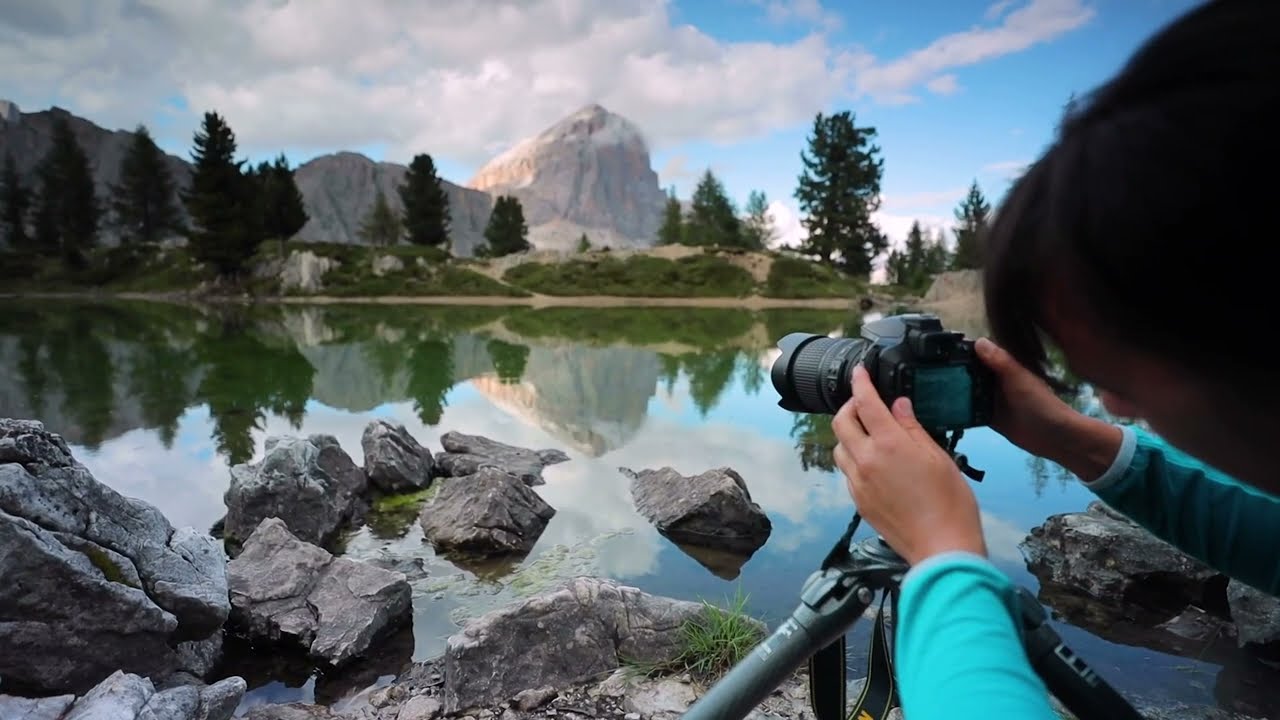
(486, 514)
(309, 483)
(712, 509)
(393, 460)
(467, 454)
(95, 581)
(123, 696)
(287, 591)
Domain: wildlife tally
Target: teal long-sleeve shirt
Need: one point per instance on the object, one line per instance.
(958, 652)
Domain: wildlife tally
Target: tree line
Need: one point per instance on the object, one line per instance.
(230, 206)
(838, 192)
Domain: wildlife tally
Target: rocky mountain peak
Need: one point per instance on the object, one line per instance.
(587, 173)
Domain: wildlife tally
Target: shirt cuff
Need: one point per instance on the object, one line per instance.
(1113, 475)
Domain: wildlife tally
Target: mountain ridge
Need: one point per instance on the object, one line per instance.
(588, 173)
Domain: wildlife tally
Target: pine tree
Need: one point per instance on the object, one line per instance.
(938, 258)
(222, 200)
(426, 206)
(143, 202)
(838, 191)
(758, 230)
(713, 220)
(382, 225)
(283, 210)
(14, 201)
(506, 232)
(672, 230)
(909, 267)
(68, 212)
(972, 215)
(584, 245)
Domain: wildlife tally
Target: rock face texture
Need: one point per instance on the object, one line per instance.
(588, 173)
(340, 189)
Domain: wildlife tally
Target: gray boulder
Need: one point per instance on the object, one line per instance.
(486, 514)
(712, 509)
(466, 454)
(95, 581)
(290, 592)
(393, 460)
(310, 483)
(123, 696)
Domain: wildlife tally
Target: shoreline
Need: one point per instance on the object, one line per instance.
(752, 302)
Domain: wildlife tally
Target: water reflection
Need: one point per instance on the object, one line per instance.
(159, 399)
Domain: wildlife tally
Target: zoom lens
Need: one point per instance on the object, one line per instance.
(813, 372)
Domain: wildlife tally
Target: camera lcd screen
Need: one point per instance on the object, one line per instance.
(943, 396)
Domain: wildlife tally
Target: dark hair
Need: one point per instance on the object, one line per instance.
(1152, 203)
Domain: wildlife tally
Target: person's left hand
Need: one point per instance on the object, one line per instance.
(903, 482)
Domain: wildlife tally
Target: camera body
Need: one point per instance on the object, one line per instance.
(909, 355)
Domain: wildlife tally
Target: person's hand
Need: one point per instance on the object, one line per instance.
(1031, 416)
(903, 482)
(1027, 412)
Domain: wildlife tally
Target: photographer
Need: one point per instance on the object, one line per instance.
(1143, 216)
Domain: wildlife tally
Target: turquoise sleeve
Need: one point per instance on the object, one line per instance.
(958, 653)
(1203, 512)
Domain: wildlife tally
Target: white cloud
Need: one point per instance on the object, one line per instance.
(943, 85)
(457, 78)
(1007, 169)
(1037, 22)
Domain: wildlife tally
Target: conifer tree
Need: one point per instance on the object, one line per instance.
(758, 230)
(143, 201)
(381, 225)
(506, 232)
(14, 201)
(283, 210)
(68, 211)
(584, 245)
(426, 206)
(713, 220)
(838, 191)
(222, 200)
(672, 230)
(972, 216)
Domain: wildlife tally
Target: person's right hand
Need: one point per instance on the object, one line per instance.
(1027, 412)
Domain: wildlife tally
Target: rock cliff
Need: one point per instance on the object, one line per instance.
(588, 173)
(339, 190)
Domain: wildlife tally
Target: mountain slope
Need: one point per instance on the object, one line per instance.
(589, 172)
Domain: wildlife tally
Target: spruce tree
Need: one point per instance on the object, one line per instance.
(713, 220)
(672, 230)
(68, 211)
(14, 201)
(838, 191)
(972, 216)
(758, 231)
(909, 267)
(283, 210)
(381, 226)
(222, 200)
(938, 258)
(506, 232)
(584, 245)
(143, 202)
(426, 206)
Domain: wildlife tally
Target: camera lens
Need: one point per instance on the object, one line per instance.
(812, 373)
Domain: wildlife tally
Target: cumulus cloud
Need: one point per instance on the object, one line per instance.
(457, 78)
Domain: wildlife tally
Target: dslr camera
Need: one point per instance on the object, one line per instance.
(906, 355)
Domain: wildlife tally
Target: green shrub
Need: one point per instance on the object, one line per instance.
(635, 276)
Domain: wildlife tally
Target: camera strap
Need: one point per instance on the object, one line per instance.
(828, 689)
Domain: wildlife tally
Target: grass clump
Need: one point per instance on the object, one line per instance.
(710, 643)
(635, 276)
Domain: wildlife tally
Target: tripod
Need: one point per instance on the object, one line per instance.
(835, 596)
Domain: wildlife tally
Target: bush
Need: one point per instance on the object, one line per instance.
(791, 277)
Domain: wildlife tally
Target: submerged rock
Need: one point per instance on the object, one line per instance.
(486, 514)
(712, 509)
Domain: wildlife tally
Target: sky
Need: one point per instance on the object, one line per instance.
(957, 90)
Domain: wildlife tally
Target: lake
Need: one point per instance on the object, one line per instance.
(158, 399)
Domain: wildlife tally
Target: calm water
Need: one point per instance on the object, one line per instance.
(157, 400)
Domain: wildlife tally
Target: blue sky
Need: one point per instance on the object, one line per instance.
(957, 89)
